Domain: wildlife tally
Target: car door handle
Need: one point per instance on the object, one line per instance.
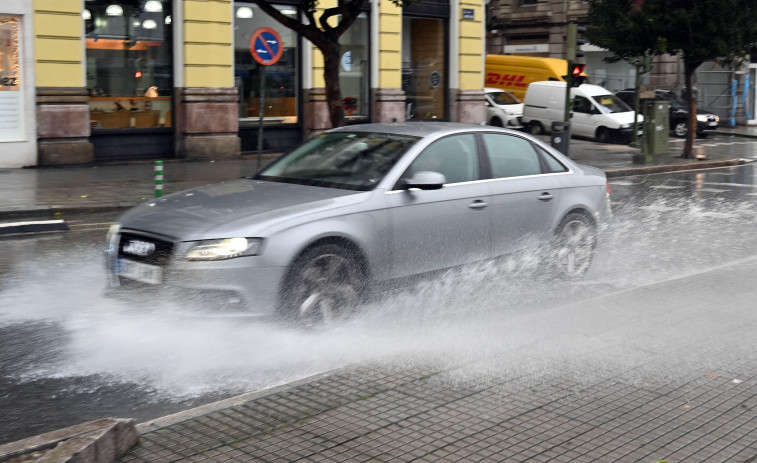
(546, 197)
(477, 204)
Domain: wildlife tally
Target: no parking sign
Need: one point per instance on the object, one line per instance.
(265, 46)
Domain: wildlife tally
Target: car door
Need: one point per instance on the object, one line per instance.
(436, 229)
(584, 120)
(522, 194)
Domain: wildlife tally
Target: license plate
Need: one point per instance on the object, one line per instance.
(713, 124)
(146, 273)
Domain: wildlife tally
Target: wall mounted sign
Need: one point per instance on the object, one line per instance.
(469, 13)
(11, 115)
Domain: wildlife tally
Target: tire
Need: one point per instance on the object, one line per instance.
(496, 122)
(573, 249)
(603, 135)
(535, 128)
(323, 286)
(680, 129)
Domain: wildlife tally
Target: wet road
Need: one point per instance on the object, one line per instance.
(71, 355)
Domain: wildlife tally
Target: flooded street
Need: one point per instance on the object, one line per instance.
(70, 354)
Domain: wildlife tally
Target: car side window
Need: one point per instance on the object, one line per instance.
(511, 156)
(581, 105)
(553, 164)
(455, 156)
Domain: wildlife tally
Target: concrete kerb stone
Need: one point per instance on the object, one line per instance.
(663, 168)
(99, 441)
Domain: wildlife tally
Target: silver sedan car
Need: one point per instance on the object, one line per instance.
(356, 207)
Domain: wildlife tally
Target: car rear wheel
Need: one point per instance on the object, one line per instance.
(574, 246)
(680, 129)
(323, 286)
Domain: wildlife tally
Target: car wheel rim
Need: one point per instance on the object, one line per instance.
(680, 129)
(325, 289)
(575, 248)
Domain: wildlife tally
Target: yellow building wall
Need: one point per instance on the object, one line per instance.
(207, 49)
(59, 55)
(471, 46)
(389, 45)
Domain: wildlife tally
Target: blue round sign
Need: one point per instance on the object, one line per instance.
(265, 46)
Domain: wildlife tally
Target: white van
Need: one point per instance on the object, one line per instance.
(596, 112)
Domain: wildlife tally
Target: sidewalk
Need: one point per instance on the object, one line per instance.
(45, 190)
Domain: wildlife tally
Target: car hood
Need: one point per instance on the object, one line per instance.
(512, 108)
(222, 209)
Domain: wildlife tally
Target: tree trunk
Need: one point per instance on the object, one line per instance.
(688, 147)
(334, 102)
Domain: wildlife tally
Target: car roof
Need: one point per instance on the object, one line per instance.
(412, 128)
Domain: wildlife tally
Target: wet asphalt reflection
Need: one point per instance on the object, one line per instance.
(71, 355)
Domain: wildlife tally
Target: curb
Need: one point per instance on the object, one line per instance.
(36, 226)
(99, 441)
(659, 169)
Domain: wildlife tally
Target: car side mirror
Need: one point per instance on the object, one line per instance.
(425, 180)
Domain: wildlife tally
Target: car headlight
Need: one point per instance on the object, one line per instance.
(701, 118)
(625, 126)
(226, 248)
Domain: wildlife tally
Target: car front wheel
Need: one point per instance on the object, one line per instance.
(574, 246)
(680, 129)
(323, 286)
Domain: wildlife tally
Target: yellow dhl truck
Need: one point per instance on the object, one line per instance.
(514, 72)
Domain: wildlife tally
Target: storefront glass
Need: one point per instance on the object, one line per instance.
(353, 70)
(279, 83)
(424, 67)
(11, 120)
(129, 63)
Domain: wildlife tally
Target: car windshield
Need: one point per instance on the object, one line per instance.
(348, 160)
(503, 98)
(611, 104)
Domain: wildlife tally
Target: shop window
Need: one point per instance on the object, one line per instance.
(424, 68)
(353, 70)
(129, 63)
(278, 84)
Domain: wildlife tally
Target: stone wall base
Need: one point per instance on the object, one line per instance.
(469, 106)
(64, 152)
(388, 105)
(207, 122)
(63, 126)
(316, 111)
(210, 146)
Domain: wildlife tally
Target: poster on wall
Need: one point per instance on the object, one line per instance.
(11, 119)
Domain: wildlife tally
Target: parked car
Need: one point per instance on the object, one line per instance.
(707, 122)
(503, 109)
(596, 112)
(308, 236)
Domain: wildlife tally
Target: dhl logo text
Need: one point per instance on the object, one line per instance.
(506, 80)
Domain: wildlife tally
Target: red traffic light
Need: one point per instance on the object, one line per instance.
(578, 69)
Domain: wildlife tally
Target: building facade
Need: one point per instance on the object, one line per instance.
(99, 80)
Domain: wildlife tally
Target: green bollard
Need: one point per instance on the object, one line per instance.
(158, 179)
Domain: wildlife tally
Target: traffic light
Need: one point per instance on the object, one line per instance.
(574, 41)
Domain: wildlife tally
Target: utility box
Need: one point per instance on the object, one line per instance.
(656, 126)
(560, 137)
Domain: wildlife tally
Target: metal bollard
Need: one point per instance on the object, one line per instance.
(158, 179)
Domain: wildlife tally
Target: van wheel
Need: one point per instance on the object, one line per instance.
(535, 128)
(603, 135)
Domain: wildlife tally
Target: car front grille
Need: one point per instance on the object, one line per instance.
(144, 248)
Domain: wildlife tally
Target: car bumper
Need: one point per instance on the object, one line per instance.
(234, 286)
